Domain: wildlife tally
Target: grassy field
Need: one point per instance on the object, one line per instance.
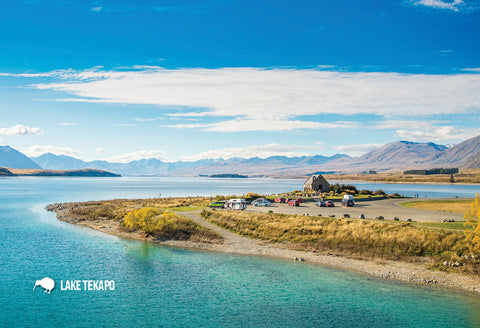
(458, 225)
(449, 206)
(353, 237)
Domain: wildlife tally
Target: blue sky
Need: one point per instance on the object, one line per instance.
(187, 80)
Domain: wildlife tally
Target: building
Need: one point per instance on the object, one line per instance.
(316, 183)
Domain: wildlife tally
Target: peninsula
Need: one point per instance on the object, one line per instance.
(386, 249)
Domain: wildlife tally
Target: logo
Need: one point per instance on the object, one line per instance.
(47, 283)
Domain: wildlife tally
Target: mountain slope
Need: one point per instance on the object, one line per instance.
(10, 157)
(465, 154)
(394, 155)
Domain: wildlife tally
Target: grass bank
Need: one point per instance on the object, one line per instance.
(449, 206)
(366, 239)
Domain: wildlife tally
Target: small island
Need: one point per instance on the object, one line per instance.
(228, 175)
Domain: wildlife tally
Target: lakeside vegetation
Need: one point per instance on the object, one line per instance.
(353, 237)
(448, 205)
(156, 217)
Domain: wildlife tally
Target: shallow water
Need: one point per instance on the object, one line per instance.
(161, 286)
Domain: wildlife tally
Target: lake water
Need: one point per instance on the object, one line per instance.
(165, 287)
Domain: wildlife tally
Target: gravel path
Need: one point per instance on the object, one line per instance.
(412, 272)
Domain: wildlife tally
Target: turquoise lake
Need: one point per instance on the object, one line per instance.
(165, 287)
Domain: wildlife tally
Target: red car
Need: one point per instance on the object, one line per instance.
(293, 202)
(280, 200)
(329, 203)
(300, 200)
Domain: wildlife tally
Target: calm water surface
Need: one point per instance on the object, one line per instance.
(160, 286)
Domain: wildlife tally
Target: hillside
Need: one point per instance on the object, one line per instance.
(465, 154)
(10, 157)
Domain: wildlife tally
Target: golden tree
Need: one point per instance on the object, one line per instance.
(472, 227)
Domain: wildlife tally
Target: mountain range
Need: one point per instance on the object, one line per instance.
(398, 155)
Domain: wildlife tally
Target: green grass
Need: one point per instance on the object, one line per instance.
(457, 225)
(449, 205)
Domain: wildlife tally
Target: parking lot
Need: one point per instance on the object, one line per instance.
(388, 208)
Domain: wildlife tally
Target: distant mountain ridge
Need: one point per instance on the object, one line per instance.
(399, 155)
(10, 157)
(144, 167)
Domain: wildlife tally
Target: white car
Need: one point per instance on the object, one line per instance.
(261, 202)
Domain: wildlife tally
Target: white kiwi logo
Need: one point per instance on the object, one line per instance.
(47, 283)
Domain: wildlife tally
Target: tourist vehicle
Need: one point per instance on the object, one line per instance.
(262, 202)
(236, 204)
(320, 203)
(348, 200)
(217, 204)
(329, 203)
(293, 202)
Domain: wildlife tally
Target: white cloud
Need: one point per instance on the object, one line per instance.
(144, 119)
(100, 150)
(138, 155)
(67, 124)
(240, 125)
(37, 150)
(403, 124)
(439, 4)
(249, 98)
(357, 149)
(96, 9)
(262, 151)
(18, 130)
(257, 93)
(438, 134)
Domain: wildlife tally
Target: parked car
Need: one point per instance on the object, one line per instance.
(280, 200)
(329, 203)
(348, 200)
(320, 203)
(300, 200)
(236, 204)
(262, 203)
(218, 204)
(293, 202)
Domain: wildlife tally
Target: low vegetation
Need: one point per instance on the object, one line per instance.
(449, 206)
(156, 217)
(472, 225)
(166, 225)
(354, 237)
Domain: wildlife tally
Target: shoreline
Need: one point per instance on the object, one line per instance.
(412, 272)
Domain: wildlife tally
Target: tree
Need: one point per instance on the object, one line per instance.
(472, 227)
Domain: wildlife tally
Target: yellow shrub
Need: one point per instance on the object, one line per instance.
(472, 230)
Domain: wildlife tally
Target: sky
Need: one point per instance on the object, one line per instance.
(200, 79)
